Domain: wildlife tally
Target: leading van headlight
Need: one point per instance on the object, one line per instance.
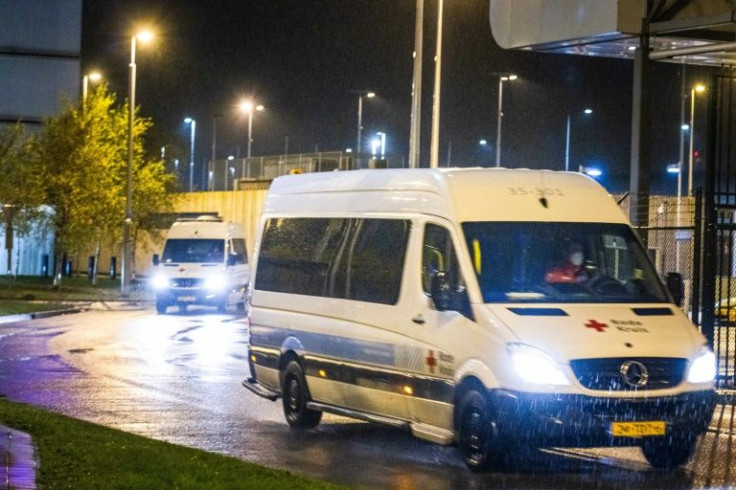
(702, 368)
(215, 282)
(535, 366)
(160, 281)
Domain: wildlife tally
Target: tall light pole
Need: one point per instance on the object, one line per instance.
(567, 137)
(698, 88)
(214, 150)
(127, 265)
(434, 148)
(369, 95)
(416, 92)
(248, 107)
(499, 115)
(94, 76)
(192, 132)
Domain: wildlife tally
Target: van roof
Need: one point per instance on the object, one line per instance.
(462, 194)
(205, 229)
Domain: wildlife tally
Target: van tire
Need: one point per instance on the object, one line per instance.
(477, 432)
(161, 306)
(669, 452)
(295, 396)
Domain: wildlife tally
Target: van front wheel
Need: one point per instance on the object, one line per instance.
(476, 431)
(670, 452)
(295, 396)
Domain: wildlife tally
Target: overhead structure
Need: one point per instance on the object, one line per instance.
(690, 31)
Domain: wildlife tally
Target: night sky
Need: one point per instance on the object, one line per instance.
(304, 60)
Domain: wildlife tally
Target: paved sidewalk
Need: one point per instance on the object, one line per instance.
(17, 461)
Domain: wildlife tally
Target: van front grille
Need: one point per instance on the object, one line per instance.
(187, 282)
(629, 374)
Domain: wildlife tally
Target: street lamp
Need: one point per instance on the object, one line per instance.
(192, 131)
(698, 88)
(127, 265)
(95, 77)
(368, 95)
(501, 79)
(587, 112)
(247, 107)
(228, 164)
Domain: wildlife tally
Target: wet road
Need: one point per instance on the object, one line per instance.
(177, 378)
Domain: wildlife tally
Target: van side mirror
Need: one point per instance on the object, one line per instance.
(155, 260)
(675, 286)
(440, 291)
(447, 298)
(232, 259)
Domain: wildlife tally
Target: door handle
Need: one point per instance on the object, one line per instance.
(419, 320)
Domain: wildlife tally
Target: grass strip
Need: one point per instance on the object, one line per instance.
(15, 307)
(81, 455)
(77, 288)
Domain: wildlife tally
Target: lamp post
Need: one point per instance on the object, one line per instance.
(369, 95)
(698, 88)
(434, 146)
(567, 137)
(127, 265)
(228, 166)
(248, 107)
(192, 131)
(214, 150)
(90, 77)
(499, 115)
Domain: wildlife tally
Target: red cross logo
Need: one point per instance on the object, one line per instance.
(599, 327)
(431, 361)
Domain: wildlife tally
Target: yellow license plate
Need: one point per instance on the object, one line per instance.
(638, 429)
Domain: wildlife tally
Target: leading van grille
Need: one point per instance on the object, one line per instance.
(188, 282)
(605, 374)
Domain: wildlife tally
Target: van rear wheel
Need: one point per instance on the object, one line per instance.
(295, 396)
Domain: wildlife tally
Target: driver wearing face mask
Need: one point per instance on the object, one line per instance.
(570, 270)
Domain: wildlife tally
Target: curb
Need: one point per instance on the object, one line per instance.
(18, 462)
(39, 314)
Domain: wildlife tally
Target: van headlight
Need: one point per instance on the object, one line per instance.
(702, 368)
(160, 281)
(215, 282)
(535, 366)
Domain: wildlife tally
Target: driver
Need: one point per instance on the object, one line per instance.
(570, 270)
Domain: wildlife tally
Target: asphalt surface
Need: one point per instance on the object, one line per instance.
(177, 378)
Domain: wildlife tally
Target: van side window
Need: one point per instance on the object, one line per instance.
(349, 258)
(438, 255)
(376, 260)
(237, 249)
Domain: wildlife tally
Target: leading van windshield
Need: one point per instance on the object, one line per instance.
(533, 262)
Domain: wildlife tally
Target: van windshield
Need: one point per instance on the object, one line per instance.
(561, 263)
(194, 250)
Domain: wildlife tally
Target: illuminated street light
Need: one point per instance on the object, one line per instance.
(698, 88)
(587, 112)
(228, 164)
(591, 171)
(95, 77)
(248, 107)
(673, 169)
(501, 80)
(367, 95)
(192, 132)
(127, 265)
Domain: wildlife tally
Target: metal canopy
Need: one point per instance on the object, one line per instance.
(699, 32)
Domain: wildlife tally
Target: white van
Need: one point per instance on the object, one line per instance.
(204, 262)
(490, 308)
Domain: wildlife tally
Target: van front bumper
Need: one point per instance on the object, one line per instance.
(580, 420)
